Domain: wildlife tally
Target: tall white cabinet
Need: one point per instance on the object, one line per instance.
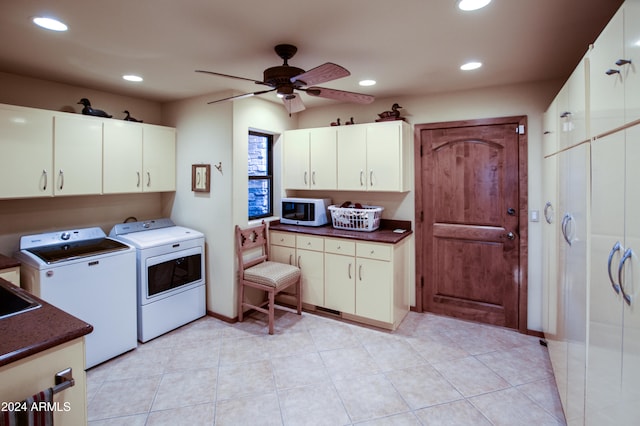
(591, 266)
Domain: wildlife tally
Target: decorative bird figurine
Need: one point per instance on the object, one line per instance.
(394, 114)
(350, 121)
(87, 110)
(130, 118)
(336, 123)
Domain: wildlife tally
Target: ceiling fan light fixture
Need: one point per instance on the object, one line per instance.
(132, 77)
(469, 5)
(367, 82)
(469, 66)
(50, 23)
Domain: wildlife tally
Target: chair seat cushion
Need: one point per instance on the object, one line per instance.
(274, 274)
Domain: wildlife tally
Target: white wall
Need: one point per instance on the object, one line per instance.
(526, 99)
(218, 135)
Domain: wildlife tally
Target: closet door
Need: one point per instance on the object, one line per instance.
(605, 307)
(630, 407)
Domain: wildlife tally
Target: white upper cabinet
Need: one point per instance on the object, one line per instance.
(571, 109)
(310, 159)
(77, 143)
(122, 157)
(27, 152)
(614, 81)
(158, 158)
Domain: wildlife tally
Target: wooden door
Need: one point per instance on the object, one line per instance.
(471, 207)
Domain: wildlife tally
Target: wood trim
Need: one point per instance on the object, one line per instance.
(222, 317)
(523, 203)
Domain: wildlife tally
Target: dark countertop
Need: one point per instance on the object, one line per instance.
(34, 331)
(384, 234)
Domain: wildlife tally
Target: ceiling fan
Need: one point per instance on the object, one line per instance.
(287, 80)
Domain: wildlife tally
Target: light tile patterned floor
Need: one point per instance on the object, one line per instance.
(318, 371)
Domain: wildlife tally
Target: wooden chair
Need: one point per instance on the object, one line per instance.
(257, 271)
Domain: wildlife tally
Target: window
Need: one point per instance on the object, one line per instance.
(260, 175)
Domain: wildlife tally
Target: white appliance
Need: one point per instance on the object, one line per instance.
(305, 211)
(170, 274)
(90, 276)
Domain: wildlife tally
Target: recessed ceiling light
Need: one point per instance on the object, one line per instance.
(367, 82)
(472, 4)
(49, 23)
(471, 66)
(131, 77)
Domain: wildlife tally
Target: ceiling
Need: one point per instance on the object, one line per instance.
(410, 47)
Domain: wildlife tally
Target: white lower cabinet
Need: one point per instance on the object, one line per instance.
(362, 281)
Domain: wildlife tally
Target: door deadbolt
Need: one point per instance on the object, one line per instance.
(511, 211)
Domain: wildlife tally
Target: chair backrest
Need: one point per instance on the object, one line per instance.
(252, 245)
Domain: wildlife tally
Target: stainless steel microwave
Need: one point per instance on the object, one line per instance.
(305, 211)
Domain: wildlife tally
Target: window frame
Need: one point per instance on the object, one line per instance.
(268, 177)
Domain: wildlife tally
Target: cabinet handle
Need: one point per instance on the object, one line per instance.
(371, 177)
(616, 247)
(361, 176)
(349, 271)
(621, 62)
(290, 259)
(138, 184)
(46, 176)
(548, 212)
(299, 265)
(313, 177)
(612, 71)
(305, 178)
(148, 179)
(61, 176)
(565, 226)
(360, 272)
(627, 255)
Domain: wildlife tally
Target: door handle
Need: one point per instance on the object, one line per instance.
(627, 255)
(510, 236)
(616, 247)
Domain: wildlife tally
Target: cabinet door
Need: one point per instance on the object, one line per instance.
(352, 158)
(606, 87)
(384, 157)
(630, 72)
(631, 285)
(607, 246)
(296, 159)
(322, 158)
(550, 129)
(340, 291)
(26, 138)
(283, 254)
(158, 158)
(374, 289)
(122, 157)
(311, 264)
(78, 155)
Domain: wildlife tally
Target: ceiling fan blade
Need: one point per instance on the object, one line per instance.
(293, 103)
(245, 95)
(321, 74)
(232, 76)
(340, 95)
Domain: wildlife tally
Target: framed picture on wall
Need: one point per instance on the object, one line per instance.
(200, 177)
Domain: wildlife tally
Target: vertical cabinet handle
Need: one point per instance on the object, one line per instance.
(628, 254)
(349, 270)
(45, 175)
(148, 179)
(371, 177)
(313, 177)
(290, 258)
(566, 221)
(299, 265)
(361, 177)
(616, 247)
(548, 212)
(138, 184)
(360, 272)
(305, 177)
(61, 178)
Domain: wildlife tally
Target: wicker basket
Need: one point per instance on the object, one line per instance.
(365, 219)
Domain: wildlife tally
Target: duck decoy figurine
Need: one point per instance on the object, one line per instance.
(349, 122)
(394, 114)
(87, 110)
(130, 118)
(336, 123)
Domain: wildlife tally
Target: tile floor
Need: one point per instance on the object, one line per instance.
(318, 371)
